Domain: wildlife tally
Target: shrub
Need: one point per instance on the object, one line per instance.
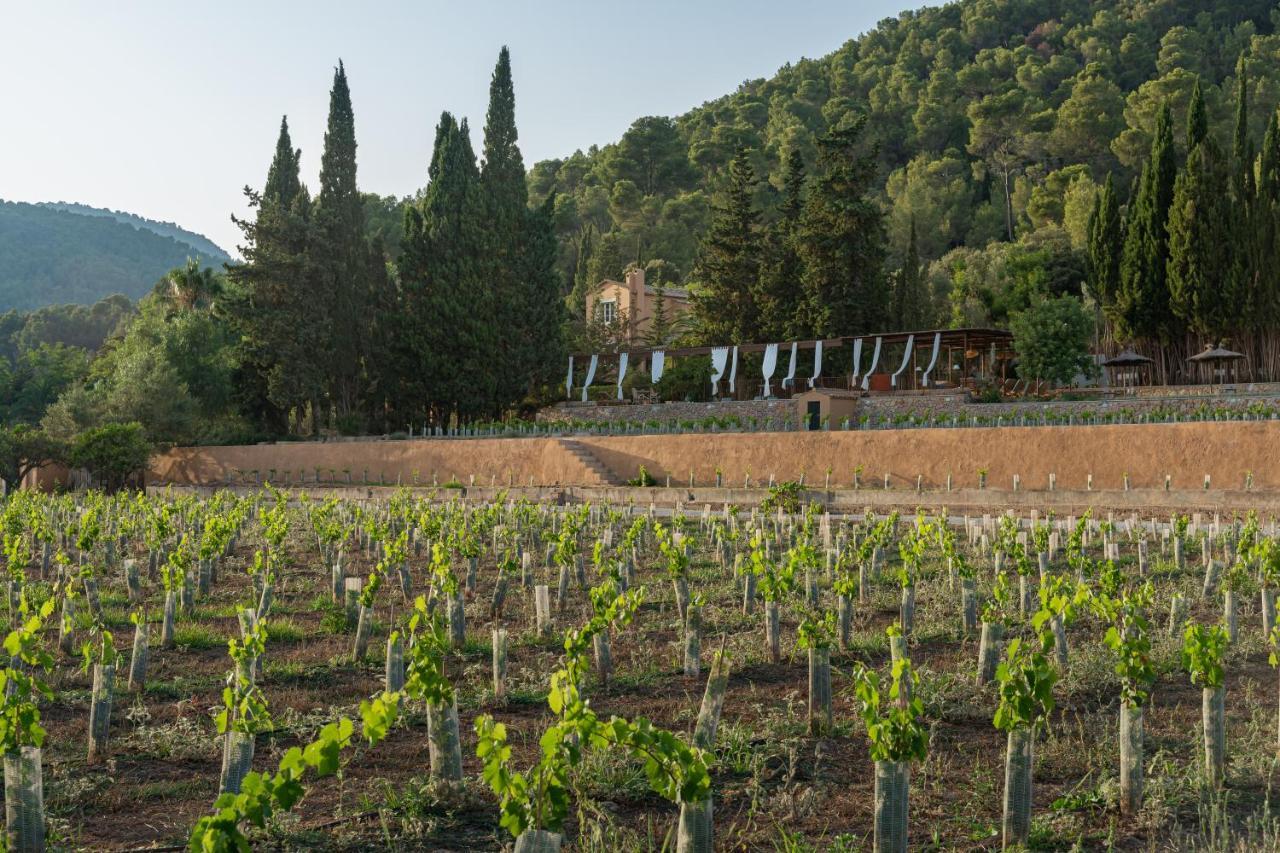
(112, 453)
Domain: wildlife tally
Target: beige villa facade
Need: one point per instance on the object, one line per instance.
(634, 302)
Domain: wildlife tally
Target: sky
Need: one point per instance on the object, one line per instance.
(168, 109)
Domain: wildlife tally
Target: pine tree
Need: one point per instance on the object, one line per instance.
(842, 238)
(339, 256)
(728, 266)
(779, 295)
(1143, 304)
(1105, 245)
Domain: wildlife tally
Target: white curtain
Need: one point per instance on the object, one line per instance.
(875, 360)
(770, 362)
(591, 374)
(568, 382)
(857, 357)
(933, 360)
(790, 379)
(656, 363)
(622, 371)
(906, 359)
(733, 372)
(719, 358)
(817, 364)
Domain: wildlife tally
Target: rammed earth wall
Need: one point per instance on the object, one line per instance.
(1229, 452)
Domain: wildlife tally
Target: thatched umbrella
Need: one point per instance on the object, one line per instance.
(1213, 356)
(1127, 358)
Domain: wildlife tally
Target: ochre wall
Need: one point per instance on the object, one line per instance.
(1147, 452)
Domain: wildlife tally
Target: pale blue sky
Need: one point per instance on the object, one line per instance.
(167, 109)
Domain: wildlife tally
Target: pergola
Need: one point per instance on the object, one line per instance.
(964, 355)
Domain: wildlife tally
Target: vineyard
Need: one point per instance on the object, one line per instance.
(273, 670)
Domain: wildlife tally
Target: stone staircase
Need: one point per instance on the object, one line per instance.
(599, 473)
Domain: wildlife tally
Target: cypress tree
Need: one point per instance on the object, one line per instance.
(340, 256)
(1197, 118)
(1144, 291)
(1105, 244)
(1247, 261)
(283, 183)
(543, 311)
(270, 302)
(909, 302)
(444, 266)
(577, 298)
(778, 297)
(842, 238)
(1267, 228)
(1200, 243)
(506, 198)
(728, 266)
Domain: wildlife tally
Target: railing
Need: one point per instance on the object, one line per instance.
(1031, 417)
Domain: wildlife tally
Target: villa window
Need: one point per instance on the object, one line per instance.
(608, 311)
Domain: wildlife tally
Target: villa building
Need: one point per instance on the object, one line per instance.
(635, 303)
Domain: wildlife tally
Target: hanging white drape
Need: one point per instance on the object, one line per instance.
(656, 363)
(719, 358)
(906, 358)
(622, 371)
(733, 372)
(591, 374)
(790, 379)
(933, 360)
(857, 357)
(568, 382)
(770, 362)
(817, 364)
(875, 361)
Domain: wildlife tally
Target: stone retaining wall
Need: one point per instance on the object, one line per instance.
(1229, 452)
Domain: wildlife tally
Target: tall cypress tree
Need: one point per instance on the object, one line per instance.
(1200, 243)
(576, 301)
(270, 302)
(1105, 245)
(1247, 261)
(340, 255)
(842, 238)
(909, 302)
(1144, 291)
(444, 266)
(728, 266)
(283, 183)
(506, 199)
(779, 296)
(1197, 118)
(543, 309)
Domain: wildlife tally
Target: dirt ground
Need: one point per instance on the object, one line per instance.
(775, 786)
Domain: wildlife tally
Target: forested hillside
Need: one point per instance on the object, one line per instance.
(208, 249)
(50, 256)
(995, 121)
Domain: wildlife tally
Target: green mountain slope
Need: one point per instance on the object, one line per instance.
(50, 256)
(202, 244)
(995, 119)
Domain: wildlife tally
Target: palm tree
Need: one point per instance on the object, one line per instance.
(192, 286)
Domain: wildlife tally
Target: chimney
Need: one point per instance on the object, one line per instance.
(635, 285)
